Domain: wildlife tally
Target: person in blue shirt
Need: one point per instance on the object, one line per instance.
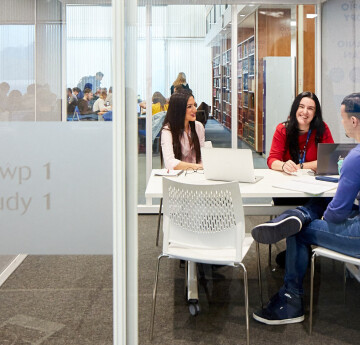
(333, 223)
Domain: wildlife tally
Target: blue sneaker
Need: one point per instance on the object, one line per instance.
(283, 308)
(285, 225)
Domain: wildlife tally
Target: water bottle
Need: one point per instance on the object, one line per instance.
(339, 163)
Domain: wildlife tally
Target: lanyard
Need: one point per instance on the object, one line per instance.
(302, 157)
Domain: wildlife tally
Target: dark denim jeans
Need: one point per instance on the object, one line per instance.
(342, 237)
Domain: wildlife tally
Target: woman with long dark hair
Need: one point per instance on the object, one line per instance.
(294, 145)
(181, 135)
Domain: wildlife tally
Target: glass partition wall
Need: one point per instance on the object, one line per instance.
(246, 61)
(47, 46)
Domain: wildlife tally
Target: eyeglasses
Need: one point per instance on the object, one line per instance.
(191, 170)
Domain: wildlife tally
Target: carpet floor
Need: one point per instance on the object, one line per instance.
(67, 300)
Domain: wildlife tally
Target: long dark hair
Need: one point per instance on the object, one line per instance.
(175, 120)
(292, 126)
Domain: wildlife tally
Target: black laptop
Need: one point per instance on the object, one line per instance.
(328, 156)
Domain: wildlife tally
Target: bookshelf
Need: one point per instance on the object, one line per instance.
(246, 90)
(259, 36)
(245, 65)
(216, 88)
(226, 89)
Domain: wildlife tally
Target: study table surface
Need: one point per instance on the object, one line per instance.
(261, 189)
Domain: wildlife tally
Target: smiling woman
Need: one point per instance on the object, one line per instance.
(294, 144)
(181, 135)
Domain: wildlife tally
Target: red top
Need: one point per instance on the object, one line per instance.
(278, 152)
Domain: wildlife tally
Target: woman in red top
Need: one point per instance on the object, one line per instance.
(294, 145)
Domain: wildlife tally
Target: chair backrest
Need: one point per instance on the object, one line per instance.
(202, 113)
(157, 122)
(76, 113)
(108, 116)
(203, 216)
(202, 117)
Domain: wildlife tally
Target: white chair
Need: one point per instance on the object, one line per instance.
(320, 251)
(204, 224)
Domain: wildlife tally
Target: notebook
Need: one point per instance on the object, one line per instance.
(328, 156)
(229, 165)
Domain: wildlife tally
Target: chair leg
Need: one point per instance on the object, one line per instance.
(154, 295)
(159, 220)
(269, 258)
(344, 285)
(246, 296)
(259, 272)
(311, 291)
(185, 281)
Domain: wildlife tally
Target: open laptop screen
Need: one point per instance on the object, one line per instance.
(328, 156)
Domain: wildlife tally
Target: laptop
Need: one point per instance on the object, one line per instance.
(229, 165)
(328, 156)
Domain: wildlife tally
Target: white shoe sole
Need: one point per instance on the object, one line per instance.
(269, 233)
(278, 322)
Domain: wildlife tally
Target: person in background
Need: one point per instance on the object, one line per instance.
(181, 135)
(28, 99)
(94, 80)
(180, 88)
(330, 223)
(180, 82)
(75, 92)
(97, 94)
(294, 144)
(4, 89)
(83, 103)
(71, 101)
(108, 100)
(159, 103)
(99, 105)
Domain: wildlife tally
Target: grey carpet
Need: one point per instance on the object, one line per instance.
(67, 300)
(58, 300)
(221, 320)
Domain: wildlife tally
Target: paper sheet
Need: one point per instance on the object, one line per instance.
(166, 172)
(307, 184)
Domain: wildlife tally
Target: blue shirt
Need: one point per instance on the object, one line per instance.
(341, 206)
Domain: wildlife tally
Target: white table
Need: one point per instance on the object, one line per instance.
(261, 189)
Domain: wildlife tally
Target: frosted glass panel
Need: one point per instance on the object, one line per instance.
(56, 198)
(16, 72)
(88, 44)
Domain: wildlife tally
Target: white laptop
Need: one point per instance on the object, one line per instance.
(229, 165)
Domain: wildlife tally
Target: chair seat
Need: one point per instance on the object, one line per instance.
(320, 251)
(218, 256)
